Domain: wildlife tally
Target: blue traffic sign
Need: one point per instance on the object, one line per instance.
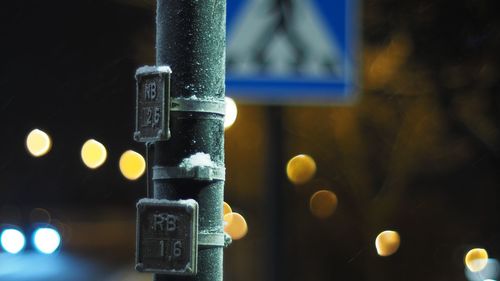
(292, 51)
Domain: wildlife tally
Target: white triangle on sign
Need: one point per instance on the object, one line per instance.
(305, 47)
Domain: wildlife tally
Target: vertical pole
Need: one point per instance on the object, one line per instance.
(276, 195)
(190, 38)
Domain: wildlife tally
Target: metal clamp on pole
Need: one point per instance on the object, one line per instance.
(194, 104)
(213, 240)
(154, 104)
(201, 173)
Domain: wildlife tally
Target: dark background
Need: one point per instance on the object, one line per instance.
(418, 153)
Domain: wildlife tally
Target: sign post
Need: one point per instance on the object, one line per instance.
(180, 117)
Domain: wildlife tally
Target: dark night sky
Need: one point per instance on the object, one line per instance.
(67, 67)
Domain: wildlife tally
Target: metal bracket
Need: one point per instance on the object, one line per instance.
(194, 104)
(212, 240)
(154, 104)
(201, 173)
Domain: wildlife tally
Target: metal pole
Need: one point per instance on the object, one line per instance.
(190, 38)
(276, 195)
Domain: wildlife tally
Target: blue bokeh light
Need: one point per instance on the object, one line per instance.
(490, 273)
(12, 240)
(46, 240)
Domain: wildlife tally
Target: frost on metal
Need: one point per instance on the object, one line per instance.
(166, 201)
(153, 69)
(198, 166)
(199, 159)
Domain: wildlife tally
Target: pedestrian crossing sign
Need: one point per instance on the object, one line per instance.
(292, 51)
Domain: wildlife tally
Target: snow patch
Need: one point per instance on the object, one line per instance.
(195, 160)
(164, 68)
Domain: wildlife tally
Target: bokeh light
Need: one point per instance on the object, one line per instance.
(490, 272)
(12, 240)
(227, 210)
(323, 204)
(387, 243)
(301, 169)
(476, 259)
(236, 226)
(40, 215)
(38, 143)
(231, 112)
(46, 240)
(93, 154)
(132, 165)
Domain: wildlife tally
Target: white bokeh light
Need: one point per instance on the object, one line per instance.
(490, 273)
(12, 240)
(46, 240)
(231, 112)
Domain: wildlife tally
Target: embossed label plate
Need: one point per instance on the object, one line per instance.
(167, 236)
(152, 104)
